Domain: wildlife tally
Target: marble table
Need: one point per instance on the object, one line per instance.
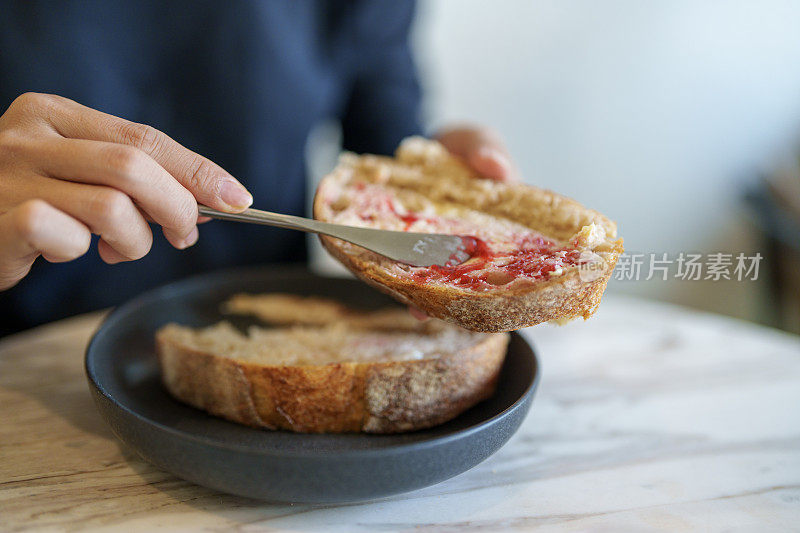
(648, 418)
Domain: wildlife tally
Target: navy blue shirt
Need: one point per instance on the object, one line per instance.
(240, 82)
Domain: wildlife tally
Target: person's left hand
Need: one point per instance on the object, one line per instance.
(482, 149)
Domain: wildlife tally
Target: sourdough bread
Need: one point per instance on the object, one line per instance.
(540, 256)
(326, 368)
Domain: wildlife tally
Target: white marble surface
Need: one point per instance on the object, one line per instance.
(648, 418)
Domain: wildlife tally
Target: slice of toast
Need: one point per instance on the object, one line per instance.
(540, 256)
(326, 368)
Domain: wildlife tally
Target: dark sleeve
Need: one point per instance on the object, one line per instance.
(384, 102)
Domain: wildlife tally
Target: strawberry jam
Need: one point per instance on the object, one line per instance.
(535, 259)
(493, 262)
(408, 220)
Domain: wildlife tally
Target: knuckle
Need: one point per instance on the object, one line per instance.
(112, 206)
(29, 216)
(28, 99)
(141, 136)
(31, 102)
(124, 161)
(184, 216)
(204, 178)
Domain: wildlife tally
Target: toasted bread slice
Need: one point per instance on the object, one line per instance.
(540, 256)
(329, 369)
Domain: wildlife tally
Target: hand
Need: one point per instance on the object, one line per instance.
(67, 171)
(482, 149)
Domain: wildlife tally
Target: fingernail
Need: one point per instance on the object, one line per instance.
(233, 194)
(190, 239)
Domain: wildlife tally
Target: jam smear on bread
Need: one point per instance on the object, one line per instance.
(534, 260)
(495, 260)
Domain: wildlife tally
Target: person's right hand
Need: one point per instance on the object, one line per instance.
(67, 171)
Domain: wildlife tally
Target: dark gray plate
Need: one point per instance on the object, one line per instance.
(277, 465)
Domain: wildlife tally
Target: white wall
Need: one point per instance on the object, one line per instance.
(655, 113)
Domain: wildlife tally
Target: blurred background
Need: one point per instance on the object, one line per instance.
(679, 120)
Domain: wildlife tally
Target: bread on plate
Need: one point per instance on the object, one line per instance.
(322, 367)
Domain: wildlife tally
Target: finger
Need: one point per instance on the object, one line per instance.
(200, 220)
(490, 163)
(191, 239)
(36, 228)
(207, 181)
(482, 150)
(417, 313)
(106, 211)
(165, 201)
(109, 254)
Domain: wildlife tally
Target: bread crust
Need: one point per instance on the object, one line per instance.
(562, 298)
(374, 397)
(505, 308)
